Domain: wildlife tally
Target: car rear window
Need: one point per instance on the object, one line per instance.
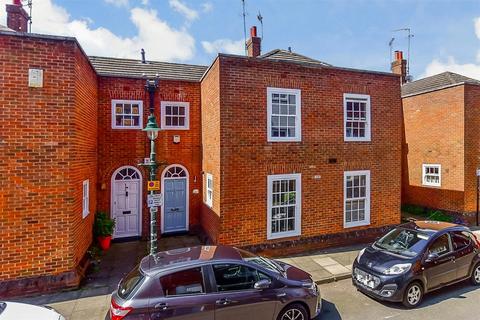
(130, 282)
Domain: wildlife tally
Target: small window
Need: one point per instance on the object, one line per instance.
(440, 246)
(356, 117)
(183, 282)
(175, 115)
(86, 198)
(357, 198)
(284, 121)
(234, 277)
(460, 240)
(209, 190)
(284, 205)
(432, 175)
(127, 114)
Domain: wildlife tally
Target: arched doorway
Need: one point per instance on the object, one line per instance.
(174, 212)
(126, 202)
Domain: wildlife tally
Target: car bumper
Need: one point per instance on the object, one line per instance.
(390, 288)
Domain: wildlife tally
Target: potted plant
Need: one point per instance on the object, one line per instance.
(103, 229)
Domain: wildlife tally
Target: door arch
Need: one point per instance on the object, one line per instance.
(126, 202)
(175, 189)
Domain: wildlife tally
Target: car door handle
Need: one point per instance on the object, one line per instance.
(223, 302)
(162, 306)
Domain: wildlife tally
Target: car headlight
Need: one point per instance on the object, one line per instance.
(398, 268)
(360, 254)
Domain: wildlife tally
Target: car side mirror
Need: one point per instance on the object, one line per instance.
(262, 284)
(431, 257)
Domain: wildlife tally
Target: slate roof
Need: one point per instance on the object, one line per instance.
(106, 66)
(279, 54)
(436, 82)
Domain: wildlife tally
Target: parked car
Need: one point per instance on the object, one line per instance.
(214, 282)
(20, 311)
(416, 258)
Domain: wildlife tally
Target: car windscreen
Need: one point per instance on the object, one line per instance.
(402, 241)
(261, 261)
(130, 282)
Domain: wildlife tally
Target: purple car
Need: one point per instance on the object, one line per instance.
(214, 282)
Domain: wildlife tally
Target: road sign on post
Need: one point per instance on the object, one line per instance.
(154, 200)
(153, 185)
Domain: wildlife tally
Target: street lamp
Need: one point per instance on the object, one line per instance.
(152, 133)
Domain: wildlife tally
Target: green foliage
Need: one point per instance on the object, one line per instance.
(437, 215)
(413, 209)
(428, 214)
(103, 225)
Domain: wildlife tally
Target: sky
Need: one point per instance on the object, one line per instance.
(346, 33)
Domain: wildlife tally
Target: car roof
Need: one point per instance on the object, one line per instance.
(188, 256)
(432, 227)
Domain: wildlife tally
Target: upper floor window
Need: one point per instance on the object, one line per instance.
(284, 121)
(357, 198)
(209, 190)
(432, 175)
(175, 115)
(86, 198)
(356, 117)
(127, 114)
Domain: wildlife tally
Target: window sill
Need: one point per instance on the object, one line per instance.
(356, 224)
(174, 128)
(127, 128)
(284, 235)
(435, 186)
(357, 139)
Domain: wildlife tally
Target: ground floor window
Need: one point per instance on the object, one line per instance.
(284, 205)
(432, 175)
(357, 198)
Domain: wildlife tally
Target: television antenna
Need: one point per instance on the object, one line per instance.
(390, 45)
(244, 26)
(260, 18)
(409, 37)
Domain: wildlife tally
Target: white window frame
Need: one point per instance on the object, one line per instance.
(431, 184)
(114, 118)
(298, 115)
(209, 199)
(85, 198)
(298, 205)
(366, 221)
(368, 125)
(163, 106)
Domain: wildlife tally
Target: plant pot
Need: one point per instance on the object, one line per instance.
(104, 242)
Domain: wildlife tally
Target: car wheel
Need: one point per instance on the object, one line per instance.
(476, 275)
(413, 295)
(293, 312)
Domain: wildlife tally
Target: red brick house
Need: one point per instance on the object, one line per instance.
(272, 151)
(441, 147)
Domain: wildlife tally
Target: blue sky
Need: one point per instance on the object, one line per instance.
(353, 33)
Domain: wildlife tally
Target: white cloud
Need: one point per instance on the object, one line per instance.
(189, 13)
(118, 3)
(224, 46)
(160, 41)
(471, 70)
(145, 2)
(207, 7)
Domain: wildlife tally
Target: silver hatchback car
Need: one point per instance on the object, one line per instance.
(214, 282)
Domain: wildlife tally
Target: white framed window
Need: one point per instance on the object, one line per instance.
(432, 175)
(86, 198)
(209, 190)
(356, 116)
(127, 114)
(175, 115)
(357, 198)
(284, 207)
(284, 121)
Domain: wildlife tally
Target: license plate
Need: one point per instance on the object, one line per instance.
(365, 279)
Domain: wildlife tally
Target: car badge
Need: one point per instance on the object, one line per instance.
(370, 264)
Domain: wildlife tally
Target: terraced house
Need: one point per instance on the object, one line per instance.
(265, 151)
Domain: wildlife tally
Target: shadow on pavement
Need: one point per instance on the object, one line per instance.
(329, 311)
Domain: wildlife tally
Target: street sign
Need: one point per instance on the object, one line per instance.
(154, 200)
(153, 185)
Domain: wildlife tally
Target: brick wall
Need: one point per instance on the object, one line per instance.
(42, 143)
(434, 134)
(472, 145)
(121, 147)
(247, 158)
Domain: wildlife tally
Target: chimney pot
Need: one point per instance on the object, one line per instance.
(398, 55)
(253, 31)
(399, 66)
(17, 2)
(254, 43)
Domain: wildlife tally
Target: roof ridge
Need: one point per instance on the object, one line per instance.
(148, 61)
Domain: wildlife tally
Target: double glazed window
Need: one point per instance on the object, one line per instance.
(432, 175)
(284, 115)
(209, 190)
(356, 117)
(357, 198)
(86, 198)
(284, 206)
(175, 115)
(127, 114)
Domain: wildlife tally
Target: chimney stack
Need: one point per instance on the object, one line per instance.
(17, 17)
(399, 66)
(254, 43)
